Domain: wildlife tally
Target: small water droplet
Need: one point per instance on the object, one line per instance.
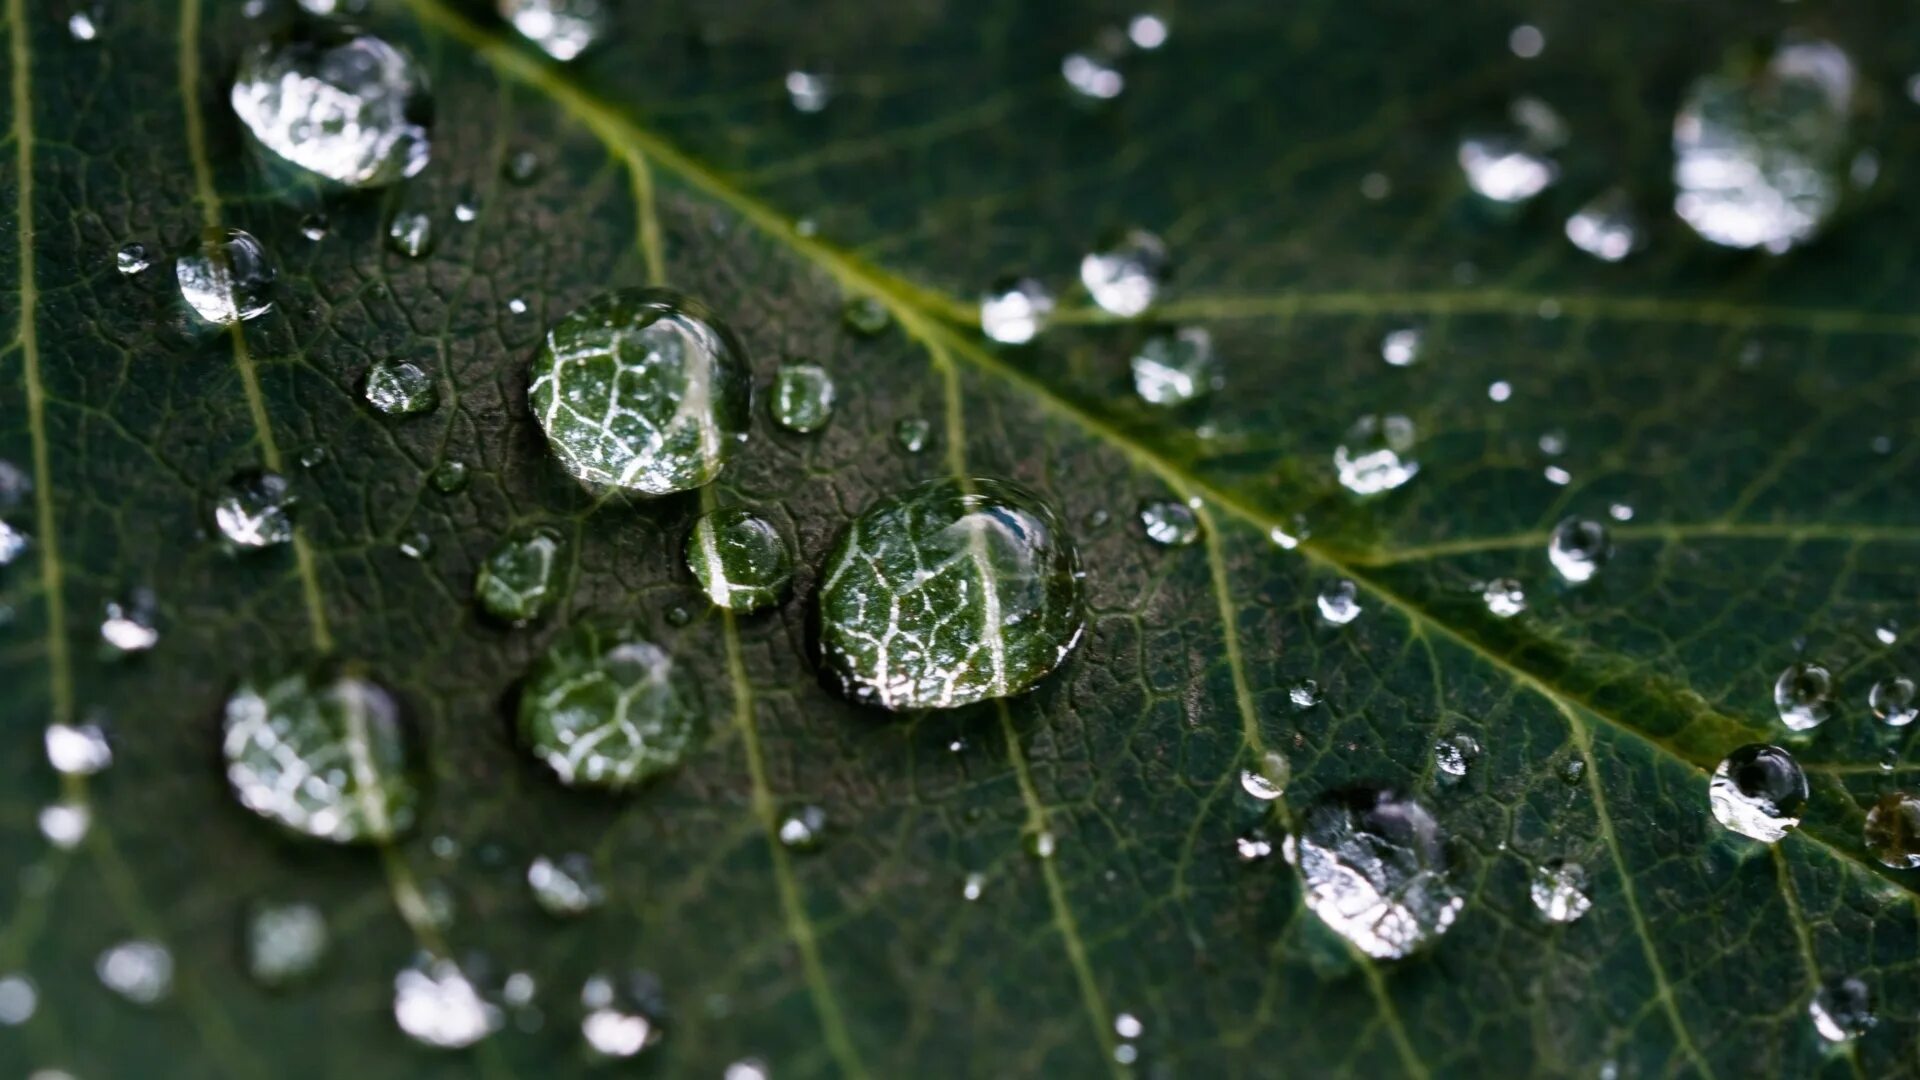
(743, 562)
(227, 279)
(1124, 274)
(345, 106)
(285, 943)
(1841, 1009)
(604, 708)
(78, 749)
(910, 433)
(866, 316)
(748, 1069)
(1505, 169)
(1608, 228)
(1339, 602)
(1175, 367)
(1500, 391)
(803, 828)
(314, 227)
(563, 29)
(1127, 1026)
(617, 1025)
(1092, 77)
(449, 477)
(1014, 310)
(1401, 348)
(523, 167)
(1526, 41)
(65, 824)
(1758, 791)
(565, 887)
(140, 971)
(1572, 771)
(1252, 847)
(1375, 455)
(1560, 891)
(465, 213)
(1304, 694)
(1042, 844)
(323, 755)
(81, 26)
(1892, 700)
(971, 889)
(1169, 523)
(1267, 781)
(1578, 548)
(802, 397)
(416, 545)
(1803, 694)
(1374, 869)
(132, 258)
(1454, 755)
(410, 233)
(1892, 833)
(1557, 476)
(314, 456)
(255, 510)
(1504, 597)
(515, 583)
(1147, 32)
(13, 543)
(436, 1005)
(1620, 512)
(400, 389)
(809, 91)
(19, 999)
(516, 306)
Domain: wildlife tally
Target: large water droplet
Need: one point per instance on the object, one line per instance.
(140, 970)
(949, 593)
(802, 397)
(1803, 694)
(1841, 1009)
(1560, 891)
(1578, 548)
(1608, 228)
(255, 510)
(1893, 831)
(1758, 158)
(642, 389)
(1339, 602)
(13, 543)
(347, 107)
(78, 749)
(1892, 700)
(1014, 310)
(1375, 871)
(563, 29)
(400, 389)
(227, 279)
(1374, 456)
(436, 1005)
(742, 561)
(1175, 367)
(1172, 524)
(324, 755)
(1125, 274)
(285, 943)
(604, 708)
(565, 887)
(516, 582)
(1758, 791)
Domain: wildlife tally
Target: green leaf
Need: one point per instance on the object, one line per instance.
(1755, 412)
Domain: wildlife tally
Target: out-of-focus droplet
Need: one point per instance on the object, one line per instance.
(1014, 310)
(255, 510)
(285, 943)
(866, 316)
(1339, 602)
(1169, 523)
(563, 29)
(803, 828)
(1505, 170)
(19, 999)
(1374, 869)
(410, 233)
(1124, 274)
(1892, 700)
(1176, 366)
(1559, 891)
(605, 709)
(65, 824)
(449, 477)
(1578, 548)
(1892, 832)
(140, 971)
(1376, 456)
(809, 91)
(1401, 348)
(344, 106)
(1092, 77)
(565, 887)
(1504, 597)
(78, 749)
(910, 433)
(1607, 228)
(436, 1005)
(617, 1024)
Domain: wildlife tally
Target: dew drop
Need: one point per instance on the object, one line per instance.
(803, 828)
(616, 1025)
(605, 709)
(951, 592)
(416, 546)
(132, 258)
(971, 889)
(1401, 348)
(1339, 602)
(449, 477)
(81, 27)
(1125, 274)
(1374, 456)
(516, 306)
(255, 510)
(1169, 523)
(1147, 32)
(1526, 41)
(1607, 228)
(515, 583)
(1267, 781)
(140, 971)
(13, 543)
(1578, 548)
(742, 561)
(436, 1005)
(1092, 77)
(410, 233)
(347, 107)
(1175, 367)
(1803, 694)
(1892, 700)
(1252, 847)
(1042, 844)
(1886, 633)
(1758, 791)
(802, 397)
(227, 279)
(19, 999)
(314, 456)
(323, 755)
(1374, 870)
(400, 389)
(563, 29)
(285, 943)
(1573, 771)
(1892, 833)
(747, 1069)
(523, 167)
(1014, 310)
(565, 887)
(1499, 391)
(809, 91)
(1560, 891)
(1453, 756)
(910, 433)
(65, 824)
(1504, 169)
(1504, 597)
(1842, 1009)
(78, 749)
(642, 389)
(866, 316)
(1304, 694)
(315, 227)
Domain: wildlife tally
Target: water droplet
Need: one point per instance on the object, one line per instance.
(523, 167)
(605, 709)
(1757, 157)
(1804, 695)
(617, 1025)
(315, 227)
(436, 1005)
(678, 616)
(416, 546)
(1886, 633)
(866, 316)
(1607, 228)
(1175, 367)
(1504, 597)
(949, 593)
(1841, 1009)
(1759, 791)
(324, 755)
(911, 433)
(642, 389)
(1578, 548)
(1169, 523)
(809, 91)
(565, 887)
(1374, 457)
(1526, 41)
(1498, 392)
(13, 542)
(255, 510)
(227, 279)
(81, 27)
(1557, 476)
(1375, 871)
(1572, 771)
(1560, 891)
(465, 213)
(802, 397)
(132, 258)
(1014, 310)
(1042, 844)
(1339, 602)
(971, 889)
(1252, 847)
(65, 824)
(517, 306)
(1125, 274)
(314, 456)
(1268, 780)
(19, 999)
(563, 29)
(140, 970)
(1620, 512)
(1304, 694)
(741, 561)
(285, 943)
(1892, 700)
(449, 477)
(748, 1069)
(1505, 169)
(78, 749)
(1893, 831)
(1401, 348)
(410, 233)
(803, 828)
(347, 107)
(515, 583)
(400, 389)
(1127, 1026)
(1453, 756)
(1092, 77)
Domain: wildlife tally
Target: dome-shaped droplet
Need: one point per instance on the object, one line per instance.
(1607, 228)
(803, 828)
(400, 389)
(132, 258)
(1454, 755)
(227, 279)
(742, 561)
(1014, 310)
(1758, 791)
(642, 389)
(1893, 831)
(436, 1005)
(563, 29)
(1892, 700)
(255, 510)
(1842, 1009)
(620, 1016)
(77, 749)
(802, 397)
(949, 593)
(1504, 597)
(1169, 523)
(1559, 891)
(1374, 869)
(131, 623)
(1374, 456)
(865, 316)
(1804, 695)
(911, 433)
(347, 107)
(322, 755)
(1758, 158)
(1175, 367)
(1578, 548)
(515, 583)
(285, 943)
(1339, 602)
(410, 233)
(565, 887)
(1124, 276)
(1505, 169)
(449, 477)
(1268, 779)
(604, 708)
